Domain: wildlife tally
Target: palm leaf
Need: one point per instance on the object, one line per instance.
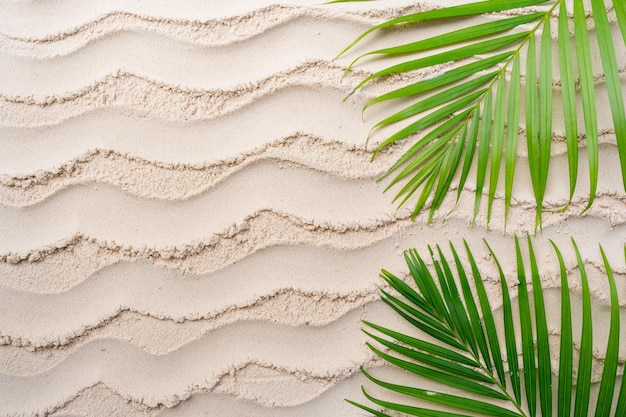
(473, 88)
(484, 137)
(528, 350)
(581, 405)
(611, 74)
(509, 332)
(512, 134)
(472, 310)
(544, 370)
(569, 98)
(473, 366)
(566, 349)
(587, 94)
(607, 384)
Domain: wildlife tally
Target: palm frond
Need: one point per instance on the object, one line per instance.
(465, 356)
(477, 92)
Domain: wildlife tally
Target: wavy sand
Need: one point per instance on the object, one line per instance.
(186, 200)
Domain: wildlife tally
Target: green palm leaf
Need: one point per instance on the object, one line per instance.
(581, 405)
(489, 134)
(465, 355)
(566, 347)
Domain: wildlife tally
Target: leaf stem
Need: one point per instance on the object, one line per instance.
(517, 51)
(502, 72)
(495, 381)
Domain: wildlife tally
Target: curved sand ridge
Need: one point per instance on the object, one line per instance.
(179, 181)
(104, 214)
(79, 257)
(222, 24)
(130, 292)
(340, 344)
(248, 401)
(126, 91)
(213, 32)
(305, 34)
(150, 179)
(141, 288)
(100, 351)
(141, 95)
(123, 216)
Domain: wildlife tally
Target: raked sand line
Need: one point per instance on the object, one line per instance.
(263, 229)
(82, 254)
(327, 269)
(166, 181)
(127, 90)
(179, 181)
(29, 354)
(249, 391)
(62, 326)
(238, 395)
(78, 259)
(331, 352)
(33, 245)
(40, 364)
(281, 349)
(106, 213)
(26, 150)
(328, 266)
(217, 32)
(21, 362)
(60, 19)
(209, 142)
(70, 32)
(130, 295)
(212, 32)
(142, 95)
(177, 63)
(172, 62)
(328, 272)
(106, 82)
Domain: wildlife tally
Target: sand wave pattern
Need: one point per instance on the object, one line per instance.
(171, 181)
(126, 90)
(340, 345)
(63, 326)
(189, 219)
(141, 95)
(179, 181)
(254, 229)
(237, 394)
(80, 256)
(134, 291)
(268, 227)
(341, 353)
(209, 33)
(217, 32)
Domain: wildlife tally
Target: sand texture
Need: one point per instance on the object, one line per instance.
(190, 224)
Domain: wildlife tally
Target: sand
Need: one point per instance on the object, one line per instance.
(189, 221)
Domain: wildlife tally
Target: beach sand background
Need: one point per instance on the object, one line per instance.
(189, 221)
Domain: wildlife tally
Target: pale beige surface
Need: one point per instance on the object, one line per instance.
(189, 218)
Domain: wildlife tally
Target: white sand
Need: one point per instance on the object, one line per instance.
(189, 222)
